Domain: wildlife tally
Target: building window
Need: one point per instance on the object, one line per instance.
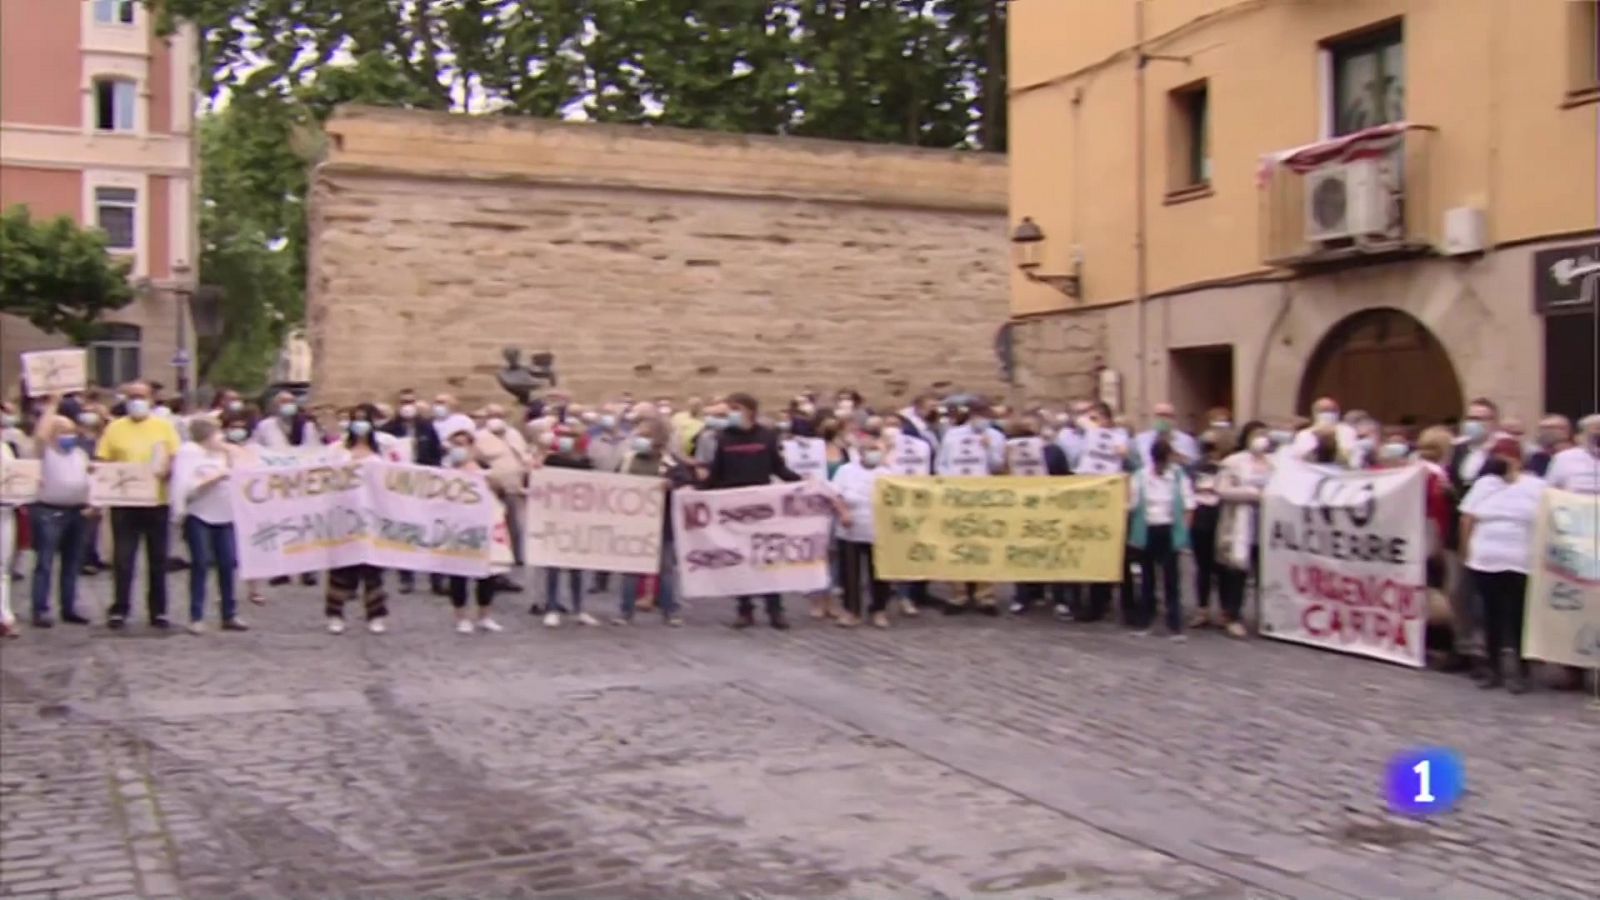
(1584, 21)
(114, 103)
(1189, 137)
(115, 211)
(1369, 80)
(114, 355)
(113, 12)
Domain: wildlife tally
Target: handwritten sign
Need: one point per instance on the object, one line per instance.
(309, 518)
(19, 482)
(123, 484)
(55, 371)
(1025, 456)
(1343, 560)
(1006, 529)
(965, 455)
(595, 520)
(909, 456)
(807, 457)
(1102, 451)
(761, 540)
(1563, 622)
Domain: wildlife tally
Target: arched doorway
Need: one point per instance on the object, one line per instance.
(1387, 363)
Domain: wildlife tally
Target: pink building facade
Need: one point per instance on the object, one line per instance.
(97, 122)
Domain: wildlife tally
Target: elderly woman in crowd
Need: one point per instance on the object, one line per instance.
(1497, 522)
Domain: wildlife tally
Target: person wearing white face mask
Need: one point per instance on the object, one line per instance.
(347, 582)
(1241, 480)
(855, 482)
(201, 505)
(143, 439)
(505, 454)
(647, 456)
(1325, 414)
(285, 425)
(448, 420)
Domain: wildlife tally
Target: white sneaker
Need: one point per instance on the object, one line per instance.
(335, 626)
(552, 620)
(377, 626)
(907, 608)
(586, 619)
(489, 625)
(464, 626)
(197, 628)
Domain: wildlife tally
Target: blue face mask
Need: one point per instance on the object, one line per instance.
(608, 422)
(67, 444)
(736, 420)
(642, 445)
(361, 428)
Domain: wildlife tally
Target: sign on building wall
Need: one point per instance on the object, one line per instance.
(1558, 285)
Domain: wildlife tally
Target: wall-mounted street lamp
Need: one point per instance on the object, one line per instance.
(1026, 245)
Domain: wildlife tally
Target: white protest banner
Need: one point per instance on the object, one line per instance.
(309, 518)
(19, 482)
(501, 557)
(55, 371)
(1563, 616)
(1343, 559)
(1102, 451)
(807, 457)
(772, 539)
(910, 456)
(603, 521)
(965, 455)
(1025, 456)
(123, 484)
(399, 449)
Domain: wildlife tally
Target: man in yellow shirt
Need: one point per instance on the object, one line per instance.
(139, 437)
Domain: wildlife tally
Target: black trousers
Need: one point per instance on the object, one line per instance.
(345, 583)
(1503, 601)
(774, 603)
(1159, 556)
(483, 591)
(1206, 574)
(857, 559)
(1233, 585)
(130, 526)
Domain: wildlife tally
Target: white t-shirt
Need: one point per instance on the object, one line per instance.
(1503, 519)
(64, 477)
(1575, 469)
(1305, 441)
(1157, 493)
(854, 484)
(199, 486)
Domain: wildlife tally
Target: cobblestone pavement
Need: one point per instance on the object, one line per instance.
(944, 758)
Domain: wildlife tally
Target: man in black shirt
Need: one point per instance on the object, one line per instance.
(748, 455)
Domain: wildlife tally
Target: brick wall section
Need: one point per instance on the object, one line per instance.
(651, 260)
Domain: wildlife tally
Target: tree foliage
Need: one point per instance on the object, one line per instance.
(59, 276)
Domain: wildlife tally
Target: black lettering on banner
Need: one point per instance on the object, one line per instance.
(893, 496)
(922, 498)
(1042, 530)
(1046, 556)
(1358, 501)
(1566, 597)
(986, 498)
(968, 554)
(973, 525)
(696, 515)
(806, 505)
(740, 515)
(772, 550)
(718, 558)
(906, 524)
(920, 552)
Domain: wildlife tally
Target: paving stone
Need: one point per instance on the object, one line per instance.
(943, 758)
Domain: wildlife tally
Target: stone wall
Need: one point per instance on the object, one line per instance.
(650, 260)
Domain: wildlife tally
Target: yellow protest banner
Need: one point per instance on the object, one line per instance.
(1004, 529)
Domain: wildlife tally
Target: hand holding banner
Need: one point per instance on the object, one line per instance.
(1005, 529)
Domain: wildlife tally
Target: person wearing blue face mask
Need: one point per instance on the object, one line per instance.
(201, 505)
(144, 439)
(568, 454)
(60, 514)
(347, 582)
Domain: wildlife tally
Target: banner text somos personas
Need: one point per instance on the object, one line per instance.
(1000, 529)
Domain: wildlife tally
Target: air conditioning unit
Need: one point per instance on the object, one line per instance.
(1347, 201)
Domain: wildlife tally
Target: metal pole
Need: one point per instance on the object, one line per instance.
(1139, 249)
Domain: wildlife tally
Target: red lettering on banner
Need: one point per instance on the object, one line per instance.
(1368, 609)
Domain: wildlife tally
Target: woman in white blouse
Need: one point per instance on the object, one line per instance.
(1497, 522)
(202, 507)
(855, 482)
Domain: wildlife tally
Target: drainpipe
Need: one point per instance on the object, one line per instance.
(1140, 251)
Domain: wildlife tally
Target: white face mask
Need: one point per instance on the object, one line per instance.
(1260, 444)
(138, 409)
(408, 410)
(440, 411)
(459, 455)
(496, 424)
(1222, 425)
(1328, 417)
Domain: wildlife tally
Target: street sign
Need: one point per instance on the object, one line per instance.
(180, 360)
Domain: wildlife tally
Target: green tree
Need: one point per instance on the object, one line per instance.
(59, 276)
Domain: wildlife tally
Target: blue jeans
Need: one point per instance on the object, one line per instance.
(210, 546)
(59, 534)
(552, 590)
(666, 590)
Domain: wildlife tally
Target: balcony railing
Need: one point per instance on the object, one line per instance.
(1385, 171)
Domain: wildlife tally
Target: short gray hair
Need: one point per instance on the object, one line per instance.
(1590, 423)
